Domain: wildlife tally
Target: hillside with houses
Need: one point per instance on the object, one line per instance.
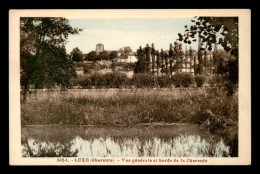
(124, 60)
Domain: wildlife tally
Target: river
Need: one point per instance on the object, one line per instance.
(153, 140)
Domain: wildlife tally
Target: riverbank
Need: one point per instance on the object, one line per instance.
(211, 108)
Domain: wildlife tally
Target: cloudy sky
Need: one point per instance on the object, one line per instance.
(117, 33)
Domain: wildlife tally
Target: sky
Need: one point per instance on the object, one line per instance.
(117, 33)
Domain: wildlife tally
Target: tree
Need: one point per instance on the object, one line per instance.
(147, 50)
(113, 55)
(207, 29)
(191, 58)
(157, 61)
(44, 62)
(103, 56)
(162, 57)
(177, 56)
(140, 65)
(153, 58)
(127, 50)
(92, 56)
(76, 55)
(171, 59)
(205, 61)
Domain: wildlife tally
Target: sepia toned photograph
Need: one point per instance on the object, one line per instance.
(128, 90)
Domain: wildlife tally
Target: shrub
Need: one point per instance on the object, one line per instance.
(144, 80)
(200, 80)
(164, 81)
(216, 81)
(115, 80)
(86, 83)
(182, 79)
(98, 80)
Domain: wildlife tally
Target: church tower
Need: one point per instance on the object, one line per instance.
(99, 48)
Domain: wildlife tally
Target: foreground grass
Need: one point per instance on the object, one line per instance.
(132, 107)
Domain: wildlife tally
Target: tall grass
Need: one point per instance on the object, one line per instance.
(131, 107)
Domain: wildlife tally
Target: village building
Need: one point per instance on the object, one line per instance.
(99, 48)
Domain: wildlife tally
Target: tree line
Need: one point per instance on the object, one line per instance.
(77, 55)
(44, 62)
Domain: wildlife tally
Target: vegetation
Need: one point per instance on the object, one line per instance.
(76, 55)
(103, 56)
(182, 80)
(213, 109)
(125, 66)
(144, 81)
(207, 29)
(92, 56)
(113, 55)
(200, 80)
(44, 62)
(141, 66)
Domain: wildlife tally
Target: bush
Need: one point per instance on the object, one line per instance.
(182, 79)
(200, 80)
(144, 80)
(115, 80)
(164, 81)
(217, 81)
(86, 83)
(98, 80)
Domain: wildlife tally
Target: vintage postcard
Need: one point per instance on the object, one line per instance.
(130, 87)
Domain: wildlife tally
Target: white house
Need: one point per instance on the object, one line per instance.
(131, 58)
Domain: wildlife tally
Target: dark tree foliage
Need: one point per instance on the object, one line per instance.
(171, 59)
(205, 60)
(141, 64)
(76, 55)
(153, 58)
(103, 56)
(44, 62)
(207, 28)
(157, 60)
(113, 55)
(162, 60)
(191, 57)
(147, 50)
(177, 56)
(92, 56)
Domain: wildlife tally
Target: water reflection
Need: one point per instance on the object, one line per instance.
(120, 142)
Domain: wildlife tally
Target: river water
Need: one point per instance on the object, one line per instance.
(174, 140)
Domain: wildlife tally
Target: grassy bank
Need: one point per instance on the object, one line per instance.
(212, 108)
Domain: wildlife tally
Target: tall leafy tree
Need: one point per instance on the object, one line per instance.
(157, 61)
(127, 50)
(148, 58)
(199, 69)
(44, 62)
(113, 55)
(178, 56)
(153, 58)
(162, 60)
(207, 29)
(205, 61)
(76, 55)
(103, 56)
(166, 62)
(140, 65)
(171, 59)
(191, 58)
(92, 56)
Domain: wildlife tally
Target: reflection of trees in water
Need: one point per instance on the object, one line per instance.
(179, 146)
(35, 148)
